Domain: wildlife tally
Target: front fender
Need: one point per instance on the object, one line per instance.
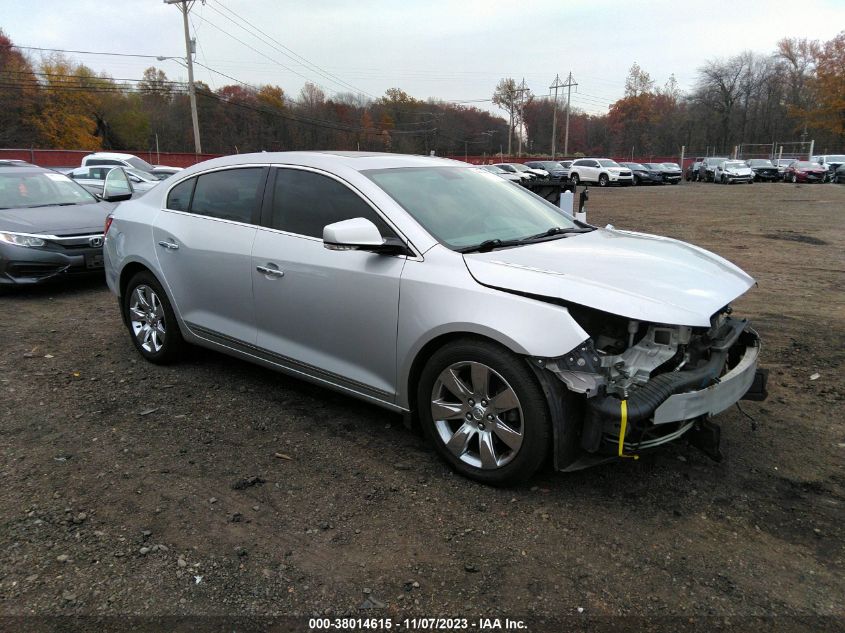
(440, 297)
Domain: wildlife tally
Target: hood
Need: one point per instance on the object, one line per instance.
(69, 220)
(639, 276)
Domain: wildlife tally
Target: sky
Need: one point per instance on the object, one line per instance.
(452, 50)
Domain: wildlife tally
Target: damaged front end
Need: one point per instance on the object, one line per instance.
(646, 384)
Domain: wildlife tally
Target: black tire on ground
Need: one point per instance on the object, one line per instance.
(535, 424)
(794, 178)
(174, 345)
(574, 178)
(636, 180)
(603, 180)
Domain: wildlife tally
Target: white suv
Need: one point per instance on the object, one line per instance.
(602, 171)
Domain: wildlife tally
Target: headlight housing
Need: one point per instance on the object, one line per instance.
(21, 239)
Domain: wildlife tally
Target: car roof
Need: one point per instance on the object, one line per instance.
(358, 161)
(25, 168)
(110, 155)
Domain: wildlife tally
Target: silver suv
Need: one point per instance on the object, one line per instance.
(509, 331)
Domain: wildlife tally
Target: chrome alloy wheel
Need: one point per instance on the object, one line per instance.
(477, 415)
(146, 315)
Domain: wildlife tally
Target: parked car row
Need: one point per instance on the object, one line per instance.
(723, 170)
(655, 173)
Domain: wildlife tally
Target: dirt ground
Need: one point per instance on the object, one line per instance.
(218, 487)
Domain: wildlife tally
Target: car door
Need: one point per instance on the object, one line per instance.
(590, 170)
(203, 240)
(329, 314)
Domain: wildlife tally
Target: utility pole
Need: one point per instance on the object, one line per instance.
(568, 85)
(554, 87)
(521, 90)
(184, 7)
(510, 123)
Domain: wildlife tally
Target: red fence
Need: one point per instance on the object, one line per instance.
(73, 157)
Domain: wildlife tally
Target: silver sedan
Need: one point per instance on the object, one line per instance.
(510, 332)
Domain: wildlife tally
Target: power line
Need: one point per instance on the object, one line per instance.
(293, 54)
(252, 48)
(63, 50)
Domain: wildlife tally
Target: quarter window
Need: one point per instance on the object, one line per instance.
(231, 194)
(305, 202)
(179, 197)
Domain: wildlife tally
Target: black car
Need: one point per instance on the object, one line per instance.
(49, 226)
(672, 172)
(708, 166)
(839, 175)
(764, 170)
(643, 175)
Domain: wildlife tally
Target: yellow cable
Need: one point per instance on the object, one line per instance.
(623, 416)
(623, 426)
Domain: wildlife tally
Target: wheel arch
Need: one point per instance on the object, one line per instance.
(428, 350)
(129, 270)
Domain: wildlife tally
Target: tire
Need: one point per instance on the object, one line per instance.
(603, 180)
(145, 303)
(637, 180)
(501, 450)
(794, 179)
(575, 179)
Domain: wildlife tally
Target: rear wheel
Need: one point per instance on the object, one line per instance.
(485, 413)
(152, 323)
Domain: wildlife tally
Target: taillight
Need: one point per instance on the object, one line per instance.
(106, 228)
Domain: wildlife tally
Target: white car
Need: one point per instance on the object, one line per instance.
(510, 176)
(730, 171)
(527, 169)
(602, 171)
(93, 178)
(526, 176)
(115, 159)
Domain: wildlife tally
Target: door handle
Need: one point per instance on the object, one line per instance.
(171, 245)
(271, 272)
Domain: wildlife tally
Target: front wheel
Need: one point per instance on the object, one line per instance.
(794, 178)
(485, 413)
(575, 179)
(603, 180)
(152, 323)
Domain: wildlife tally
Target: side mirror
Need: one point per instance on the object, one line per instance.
(359, 234)
(116, 186)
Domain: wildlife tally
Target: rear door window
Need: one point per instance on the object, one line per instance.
(230, 194)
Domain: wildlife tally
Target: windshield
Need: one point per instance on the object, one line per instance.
(735, 163)
(508, 168)
(671, 165)
(519, 167)
(635, 166)
(837, 158)
(760, 162)
(463, 207)
(606, 162)
(139, 164)
(805, 164)
(40, 189)
(493, 169)
(653, 166)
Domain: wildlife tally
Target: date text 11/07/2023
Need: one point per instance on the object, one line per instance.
(417, 624)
